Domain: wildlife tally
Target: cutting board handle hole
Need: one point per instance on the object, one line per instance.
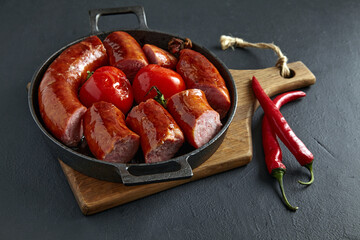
(292, 74)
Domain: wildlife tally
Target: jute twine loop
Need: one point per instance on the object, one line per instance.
(227, 41)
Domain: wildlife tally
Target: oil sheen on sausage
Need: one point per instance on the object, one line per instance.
(156, 55)
(59, 105)
(160, 136)
(198, 121)
(125, 53)
(198, 72)
(107, 135)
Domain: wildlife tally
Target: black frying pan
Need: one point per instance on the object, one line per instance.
(135, 172)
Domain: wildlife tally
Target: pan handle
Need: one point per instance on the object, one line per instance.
(96, 13)
(156, 172)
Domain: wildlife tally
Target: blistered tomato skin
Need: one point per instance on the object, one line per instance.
(108, 84)
(166, 80)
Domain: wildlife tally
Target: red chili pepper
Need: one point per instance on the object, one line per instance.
(272, 150)
(283, 130)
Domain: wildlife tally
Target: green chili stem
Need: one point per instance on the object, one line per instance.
(279, 174)
(309, 166)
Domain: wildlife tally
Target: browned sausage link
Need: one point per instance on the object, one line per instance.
(160, 136)
(59, 105)
(198, 121)
(156, 55)
(125, 53)
(198, 72)
(107, 135)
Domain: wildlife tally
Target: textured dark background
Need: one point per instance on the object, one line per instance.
(36, 201)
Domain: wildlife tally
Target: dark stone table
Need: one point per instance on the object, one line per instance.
(36, 200)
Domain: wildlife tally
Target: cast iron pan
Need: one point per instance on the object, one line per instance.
(135, 172)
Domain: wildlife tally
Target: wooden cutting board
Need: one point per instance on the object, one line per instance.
(95, 195)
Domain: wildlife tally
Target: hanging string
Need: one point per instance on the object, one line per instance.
(227, 41)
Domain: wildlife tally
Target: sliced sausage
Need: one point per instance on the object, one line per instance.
(125, 53)
(198, 121)
(160, 136)
(156, 55)
(198, 72)
(59, 105)
(107, 135)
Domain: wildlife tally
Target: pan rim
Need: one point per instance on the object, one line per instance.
(230, 115)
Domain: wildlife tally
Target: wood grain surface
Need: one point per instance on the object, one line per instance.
(94, 195)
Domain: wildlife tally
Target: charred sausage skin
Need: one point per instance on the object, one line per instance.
(125, 53)
(107, 135)
(198, 72)
(192, 112)
(156, 55)
(160, 136)
(59, 105)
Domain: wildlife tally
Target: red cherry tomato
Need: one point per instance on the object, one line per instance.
(108, 84)
(166, 80)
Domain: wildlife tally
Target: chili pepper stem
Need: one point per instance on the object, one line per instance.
(279, 174)
(310, 167)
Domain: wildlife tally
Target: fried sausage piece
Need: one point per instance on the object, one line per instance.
(156, 55)
(160, 136)
(198, 121)
(125, 53)
(107, 135)
(59, 105)
(198, 72)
